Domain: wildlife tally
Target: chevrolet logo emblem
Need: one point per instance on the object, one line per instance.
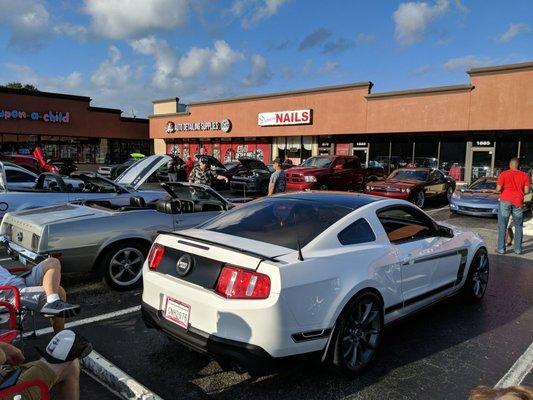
(20, 236)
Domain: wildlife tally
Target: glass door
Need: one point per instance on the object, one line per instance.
(482, 163)
(362, 154)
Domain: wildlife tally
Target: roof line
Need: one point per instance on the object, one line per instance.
(280, 94)
(107, 110)
(500, 68)
(26, 92)
(429, 90)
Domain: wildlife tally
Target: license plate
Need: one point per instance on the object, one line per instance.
(177, 312)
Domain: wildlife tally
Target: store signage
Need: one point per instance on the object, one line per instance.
(224, 126)
(361, 144)
(295, 117)
(483, 143)
(49, 116)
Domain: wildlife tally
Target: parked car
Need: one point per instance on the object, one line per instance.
(28, 162)
(65, 166)
(331, 173)
(103, 237)
(52, 189)
(480, 199)
(414, 184)
(18, 177)
(305, 272)
(251, 176)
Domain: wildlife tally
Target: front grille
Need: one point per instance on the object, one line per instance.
(474, 209)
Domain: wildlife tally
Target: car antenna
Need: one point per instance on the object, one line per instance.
(300, 256)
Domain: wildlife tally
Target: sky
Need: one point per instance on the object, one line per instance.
(126, 53)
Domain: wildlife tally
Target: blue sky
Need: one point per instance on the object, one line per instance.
(126, 53)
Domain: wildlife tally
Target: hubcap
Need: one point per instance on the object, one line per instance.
(449, 194)
(361, 334)
(323, 187)
(126, 266)
(480, 278)
(420, 199)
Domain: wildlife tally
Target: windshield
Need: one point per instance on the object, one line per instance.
(279, 221)
(318, 162)
(483, 185)
(408, 175)
(192, 193)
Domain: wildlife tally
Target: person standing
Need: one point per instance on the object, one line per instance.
(278, 179)
(512, 184)
(203, 175)
(172, 171)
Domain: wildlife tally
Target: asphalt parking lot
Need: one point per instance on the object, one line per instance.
(441, 353)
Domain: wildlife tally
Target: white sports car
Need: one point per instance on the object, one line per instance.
(305, 272)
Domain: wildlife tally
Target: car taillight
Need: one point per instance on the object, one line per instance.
(238, 283)
(155, 256)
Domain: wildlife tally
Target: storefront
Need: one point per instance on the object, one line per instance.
(67, 126)
(468, 131)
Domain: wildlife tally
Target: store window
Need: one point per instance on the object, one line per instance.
(401, 151)
(526, 153)
(452, 157)
(307, 143)
(379, 155)
(506, 148)
(426, 151)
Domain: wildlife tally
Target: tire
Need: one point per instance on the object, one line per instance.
(419, 199)
(478, 277)
(449, 193)
(358, 334)
(323, 186)
(113, 268)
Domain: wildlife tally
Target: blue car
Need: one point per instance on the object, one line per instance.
(479, 199)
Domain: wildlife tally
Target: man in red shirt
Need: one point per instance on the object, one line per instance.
(512, 184)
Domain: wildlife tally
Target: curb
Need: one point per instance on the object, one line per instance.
(117, 380)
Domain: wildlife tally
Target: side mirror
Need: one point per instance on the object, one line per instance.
(444, 231)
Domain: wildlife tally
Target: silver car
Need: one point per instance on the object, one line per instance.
(102, 237)
(52, 189)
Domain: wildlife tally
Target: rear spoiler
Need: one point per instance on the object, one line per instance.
(225, 246)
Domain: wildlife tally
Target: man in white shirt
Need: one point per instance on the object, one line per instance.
(41, 289)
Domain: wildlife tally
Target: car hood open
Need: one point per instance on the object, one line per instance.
(141, 170)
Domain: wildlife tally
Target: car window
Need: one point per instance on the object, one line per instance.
(15, 175)
(405, 223)
(483, 185)
(436, 175)
(351, 163)
(356, 233)
(193, 193)
(339, 161)
(319, 162)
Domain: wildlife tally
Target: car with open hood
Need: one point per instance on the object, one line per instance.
(480, 199)
(52, 189)
(103, 237)
(413, 184)
(250, 176)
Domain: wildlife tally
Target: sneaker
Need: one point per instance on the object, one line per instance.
(500, 251)
(59, 308)
(518, 252)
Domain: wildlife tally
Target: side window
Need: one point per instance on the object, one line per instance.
(351, 163)
(405, 224)
(14, 175)
(436, 175)
(340, 161)
(356, 233)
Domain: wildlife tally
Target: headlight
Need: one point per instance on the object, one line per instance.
(407, 190)
(310, 178)
(368, 188)
(35, 241)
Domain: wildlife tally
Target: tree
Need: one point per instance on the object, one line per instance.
(20, 86)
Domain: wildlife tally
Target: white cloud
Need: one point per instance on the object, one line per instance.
(329, 67)
(75, 31)
(365, 38)
(25, 74)
(413, 18)
(513, 30)
(193, 62)
(259, 72)
(134, 18)
(461, 7)
(27, 20)
(110, 74)
(254, 11)
(422, 70)
(223, 58)
(467, 62)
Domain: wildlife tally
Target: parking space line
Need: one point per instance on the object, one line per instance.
(85, 321)
(436, 209)
(518, 371)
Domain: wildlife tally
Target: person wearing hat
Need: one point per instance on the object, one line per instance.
(58, 367)
(203, 175)
(278, 179)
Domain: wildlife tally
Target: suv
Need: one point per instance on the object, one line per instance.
(331, 173)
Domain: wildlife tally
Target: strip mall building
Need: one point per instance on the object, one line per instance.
(68, 126)
(469, 130)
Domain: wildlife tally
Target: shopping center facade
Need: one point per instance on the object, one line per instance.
(468, 130)
(68, 126)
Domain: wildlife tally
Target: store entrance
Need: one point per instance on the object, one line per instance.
(362, 154)
(482, 163)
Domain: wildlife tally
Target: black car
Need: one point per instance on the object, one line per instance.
(252, 176)
(65, 166)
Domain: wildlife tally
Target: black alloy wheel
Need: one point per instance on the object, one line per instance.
(478, 277)
(449, 193)
(419, 199)
(122, 265)
(358, 334)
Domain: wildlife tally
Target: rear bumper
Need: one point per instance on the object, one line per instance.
(230, 352)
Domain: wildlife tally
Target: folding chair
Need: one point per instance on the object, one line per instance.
(10, 304)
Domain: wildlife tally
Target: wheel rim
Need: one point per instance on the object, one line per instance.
(125, 267)
(361, 334)
(419, 200)
(480, 278)
(323, 187)
(449, 193)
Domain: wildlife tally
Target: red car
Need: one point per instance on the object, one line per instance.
(331, 173)
(35, 163)
(414, 184)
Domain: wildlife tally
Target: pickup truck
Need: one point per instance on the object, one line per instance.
(331, 173)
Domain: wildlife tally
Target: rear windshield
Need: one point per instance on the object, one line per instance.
(280, 221)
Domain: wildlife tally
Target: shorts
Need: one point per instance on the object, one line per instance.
(32, 370)
(32, 295)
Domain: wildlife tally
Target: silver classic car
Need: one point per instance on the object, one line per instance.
(52, 189)
(109, 239)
